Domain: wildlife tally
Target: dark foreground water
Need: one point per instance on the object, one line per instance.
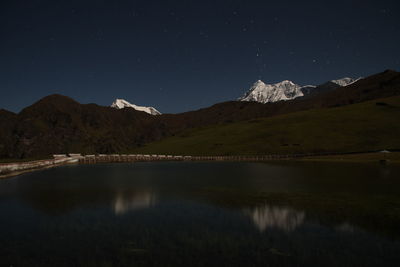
(202, 214)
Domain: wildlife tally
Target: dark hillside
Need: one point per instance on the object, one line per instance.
(381, 85)
(8, 121)
(368, 126)
(59, 124)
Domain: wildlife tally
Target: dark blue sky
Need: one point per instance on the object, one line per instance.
(184, 55)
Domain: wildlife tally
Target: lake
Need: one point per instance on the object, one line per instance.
(202, 214)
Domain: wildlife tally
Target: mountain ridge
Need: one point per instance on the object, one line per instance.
(265, 93)
(59, 124)
(288, 90)
(367, 126)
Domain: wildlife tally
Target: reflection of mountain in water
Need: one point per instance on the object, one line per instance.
(271, 216)
(125, 202)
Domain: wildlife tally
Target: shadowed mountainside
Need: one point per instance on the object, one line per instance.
(58, 124)
(368, 126)
(381, 85)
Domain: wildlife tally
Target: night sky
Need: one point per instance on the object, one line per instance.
(183, 55)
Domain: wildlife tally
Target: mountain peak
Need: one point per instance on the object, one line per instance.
(288, 90)
(57, 98)
(286, 82)
(258, 83)
(265, 93)
(120, 103)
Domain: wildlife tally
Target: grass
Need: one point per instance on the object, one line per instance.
(366, 126)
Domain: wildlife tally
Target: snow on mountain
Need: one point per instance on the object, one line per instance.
(287, 90)
(307, 89)
(265, 93)
(345, 81)
(121, 103)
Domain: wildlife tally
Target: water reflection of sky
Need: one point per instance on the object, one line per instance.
(123, 188)
(169, 214)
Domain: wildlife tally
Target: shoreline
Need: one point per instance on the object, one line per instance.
(8, 170)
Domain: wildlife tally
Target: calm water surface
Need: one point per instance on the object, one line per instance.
(202, 214)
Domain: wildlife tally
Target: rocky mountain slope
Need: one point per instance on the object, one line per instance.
(58, 124)
(266, 93)
(288, 90)
(121, 103)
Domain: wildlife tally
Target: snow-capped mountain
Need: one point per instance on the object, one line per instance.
(264, 93)
(121, 103)
(287, 90)
(345, 81)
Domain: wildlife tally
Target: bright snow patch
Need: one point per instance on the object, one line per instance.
(345, 81)
(121, 103)
(265, 93)
(285, 90)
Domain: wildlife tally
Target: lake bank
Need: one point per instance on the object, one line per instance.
(11, 169)
(383, 157)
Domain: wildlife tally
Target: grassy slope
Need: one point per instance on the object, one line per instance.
(359, 127)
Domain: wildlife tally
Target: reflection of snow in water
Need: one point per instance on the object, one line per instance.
(133, 201)
(268, 217)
